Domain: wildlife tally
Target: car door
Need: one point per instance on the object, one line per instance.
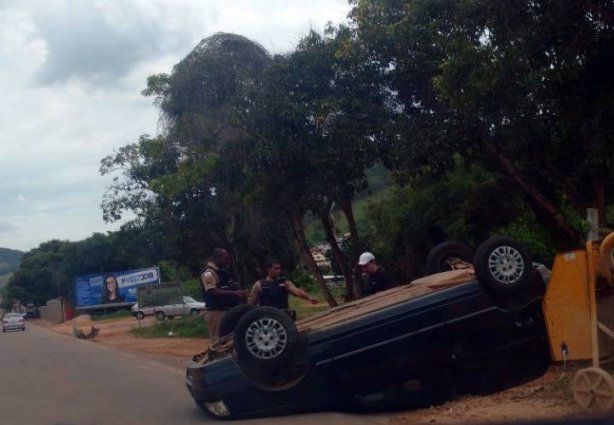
(396, 344)
(181, 308)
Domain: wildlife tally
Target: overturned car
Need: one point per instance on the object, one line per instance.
(472, 329)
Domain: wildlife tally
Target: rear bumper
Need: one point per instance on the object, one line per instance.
(13, 326)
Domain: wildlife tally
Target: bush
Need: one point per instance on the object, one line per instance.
(304, 280)
(192, 288)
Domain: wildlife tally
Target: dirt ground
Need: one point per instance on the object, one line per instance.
(548, 397)
(114, 333)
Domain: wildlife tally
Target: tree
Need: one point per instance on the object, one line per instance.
(500, 83)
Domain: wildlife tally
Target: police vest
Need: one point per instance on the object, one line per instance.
(274, 293)
(223, 282)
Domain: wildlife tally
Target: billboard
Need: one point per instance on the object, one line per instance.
(113, 287)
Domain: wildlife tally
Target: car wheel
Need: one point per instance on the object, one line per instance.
(140, 315)
(160, 315)
(265, 339)
(503, 264)
(443, 256)
(194, 312)
(232, 317)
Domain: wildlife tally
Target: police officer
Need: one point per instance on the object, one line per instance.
(219, 291)
(378, 279)
(273, 291)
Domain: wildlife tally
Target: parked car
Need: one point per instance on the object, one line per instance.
(13, 321)
(31, 314)
(141, 312)
(188, 306)
(476, 329)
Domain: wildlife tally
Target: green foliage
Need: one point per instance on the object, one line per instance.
(184, 327)
(193, 289)
(506, 84)
(303, 280)
(467, 204)
(525, 228)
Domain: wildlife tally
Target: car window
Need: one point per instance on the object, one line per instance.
(12, 315)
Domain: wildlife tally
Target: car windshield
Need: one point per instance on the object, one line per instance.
(13, 315)
(189, 300)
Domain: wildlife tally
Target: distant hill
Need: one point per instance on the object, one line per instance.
(9, 260)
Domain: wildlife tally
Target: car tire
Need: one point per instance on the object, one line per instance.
(139, 315)
(265, 340)
(160, 315)
(232, 317)
(440, 257)
(503, 265)
(194, 312)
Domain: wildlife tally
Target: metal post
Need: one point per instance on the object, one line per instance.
(592, 216)
(591, 239)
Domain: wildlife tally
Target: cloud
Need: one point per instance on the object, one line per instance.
(7, 228)
(100, 41)
(71, 72)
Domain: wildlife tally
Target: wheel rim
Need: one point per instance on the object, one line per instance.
(593, 389)
(506, 265)
(266, 338)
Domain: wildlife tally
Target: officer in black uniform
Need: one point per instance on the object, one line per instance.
(219, 291)
(273, 290)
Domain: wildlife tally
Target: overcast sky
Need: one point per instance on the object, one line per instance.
(70, 76)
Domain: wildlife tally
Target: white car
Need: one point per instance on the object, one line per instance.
(189, 306)
(13, 321)
(141, 312)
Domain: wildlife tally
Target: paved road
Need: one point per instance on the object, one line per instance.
(52, 379)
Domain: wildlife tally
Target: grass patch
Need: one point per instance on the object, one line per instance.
(304, 309)
(184, 327)
(118, 314)
(563, 386)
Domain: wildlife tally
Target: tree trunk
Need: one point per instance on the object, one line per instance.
(551, 209)
(348, 211)
(298, 233)
(338, 255)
